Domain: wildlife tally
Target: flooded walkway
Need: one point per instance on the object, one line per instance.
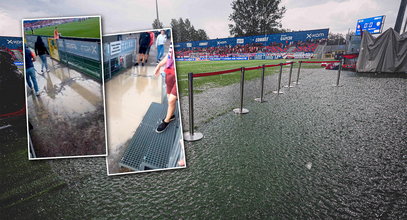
(68, 115)
(128, 96)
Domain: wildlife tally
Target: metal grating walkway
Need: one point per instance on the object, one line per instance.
(147, 148)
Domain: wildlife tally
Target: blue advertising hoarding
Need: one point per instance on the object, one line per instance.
(263, 39)
(373, 25)
(13, 45)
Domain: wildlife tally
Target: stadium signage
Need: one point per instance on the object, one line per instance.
(373, 25)
(222, 42)
(315, 35)
(286, 37)
(115, 47)
(262, 39)
(14, 41)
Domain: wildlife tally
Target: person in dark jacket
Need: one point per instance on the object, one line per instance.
(41, 50)
(144, 41)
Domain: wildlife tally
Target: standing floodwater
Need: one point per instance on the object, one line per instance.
(315, 151)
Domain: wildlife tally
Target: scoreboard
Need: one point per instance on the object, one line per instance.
(373, 25)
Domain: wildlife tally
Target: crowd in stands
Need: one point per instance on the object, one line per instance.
(32, 25)
(227, 50)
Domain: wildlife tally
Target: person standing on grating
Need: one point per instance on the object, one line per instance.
(172, 92)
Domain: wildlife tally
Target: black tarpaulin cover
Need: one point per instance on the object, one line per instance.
(386, 53)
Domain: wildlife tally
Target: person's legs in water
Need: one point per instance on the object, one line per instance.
(44, 62)
(30, 74)
(172, 100)
(27, 78)
(160, 52)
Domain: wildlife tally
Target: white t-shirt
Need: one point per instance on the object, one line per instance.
(161, 39)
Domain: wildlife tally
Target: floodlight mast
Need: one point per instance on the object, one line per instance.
(400, 15)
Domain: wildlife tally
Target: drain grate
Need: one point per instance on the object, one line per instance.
(149, 149)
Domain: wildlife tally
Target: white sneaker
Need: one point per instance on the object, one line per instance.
(48, 70)
(38, 93)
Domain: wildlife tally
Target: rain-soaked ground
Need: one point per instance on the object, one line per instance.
(128, 96)
(316, 151)
(68, 116)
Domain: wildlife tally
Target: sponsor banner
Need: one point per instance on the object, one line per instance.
(12, 43)
(227, 58)
(53, 48)
(115, 48)
(87, 49)
(262, 39)
(185, 59)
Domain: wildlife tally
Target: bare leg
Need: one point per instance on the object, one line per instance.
(144, 58)
(172, 99)
(139, 57)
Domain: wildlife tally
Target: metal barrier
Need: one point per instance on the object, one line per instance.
(289, 76)
(298, 74)
(339, 73)
(329, 61)
(279, 81)
(82, 54)
(191, 135)
(261, 85)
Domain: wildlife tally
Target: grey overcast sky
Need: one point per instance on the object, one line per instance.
(210, 15)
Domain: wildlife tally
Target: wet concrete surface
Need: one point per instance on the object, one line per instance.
(68, 115)
(128, 97)
(314, 152)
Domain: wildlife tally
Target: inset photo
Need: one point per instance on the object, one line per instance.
(64, 87)
(142, 105)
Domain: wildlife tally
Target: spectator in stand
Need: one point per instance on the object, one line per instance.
(144, 41)
(41, 50)
(152, 38)
(161, 39)
(30, 71)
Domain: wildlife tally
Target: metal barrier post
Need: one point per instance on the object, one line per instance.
(339, 72)
(279, 81)
(241, 110)
(298, 74)
(191, 135)
(261, 86)
(289, 76)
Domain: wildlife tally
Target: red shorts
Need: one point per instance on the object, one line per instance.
(170, 81)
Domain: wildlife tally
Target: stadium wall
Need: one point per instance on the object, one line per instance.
(82, 54)
(117, 56)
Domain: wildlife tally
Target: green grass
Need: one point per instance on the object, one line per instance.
(89, 28)
(202, 83)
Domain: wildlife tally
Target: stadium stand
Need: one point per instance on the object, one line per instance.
(300, 44)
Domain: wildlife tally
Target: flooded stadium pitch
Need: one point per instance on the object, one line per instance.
(315, 151)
